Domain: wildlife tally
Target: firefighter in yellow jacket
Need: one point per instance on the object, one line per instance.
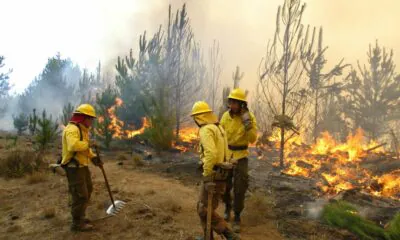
(241, 129)
(213, 149)
(76, 156)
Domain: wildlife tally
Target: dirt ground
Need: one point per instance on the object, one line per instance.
(159, 206)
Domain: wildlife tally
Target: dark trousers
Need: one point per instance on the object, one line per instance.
(80, 187)
(238, 180)
(218, 223)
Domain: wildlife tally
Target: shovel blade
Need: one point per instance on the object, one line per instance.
(114, 210)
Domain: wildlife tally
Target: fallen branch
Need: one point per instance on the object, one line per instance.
(376, 147)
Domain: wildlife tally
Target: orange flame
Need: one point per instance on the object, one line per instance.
(338, 164)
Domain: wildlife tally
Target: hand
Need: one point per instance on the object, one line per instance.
(246, 120)
(97, 162)
(93, 143)
(210, 186)
(225, 165)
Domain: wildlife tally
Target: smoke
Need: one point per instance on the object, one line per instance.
(314, 209)
(89, 31)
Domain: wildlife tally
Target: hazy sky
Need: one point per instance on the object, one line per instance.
(92, 30)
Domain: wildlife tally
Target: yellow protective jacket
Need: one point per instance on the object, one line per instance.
(71, 143)
(237, 135)
(213, 142)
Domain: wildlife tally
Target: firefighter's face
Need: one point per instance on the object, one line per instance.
(88, 122)
(234, 106)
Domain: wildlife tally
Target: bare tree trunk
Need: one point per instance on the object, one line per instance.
(316, 115)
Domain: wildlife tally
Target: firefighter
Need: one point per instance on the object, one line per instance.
(213, 149)
(76, 156)
(241, 130)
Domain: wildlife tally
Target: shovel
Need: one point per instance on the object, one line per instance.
(117, 205)
(210, 191)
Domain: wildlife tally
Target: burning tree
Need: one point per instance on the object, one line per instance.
(371, 95)
(314, 62)
(166, 76)
(282, 70)
(108, 126)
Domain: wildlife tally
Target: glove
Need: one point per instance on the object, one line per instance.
(246, 120)
(93, 143)
(97, 162)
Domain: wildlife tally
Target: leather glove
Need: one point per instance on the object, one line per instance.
(93, 143)
(246, 120)
(97, 162)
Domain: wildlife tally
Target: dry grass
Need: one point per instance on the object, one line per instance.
(137, 160)
(49, 212)
(263, 204)
(320, 237)
(122, 157)
(36, 177)
(18, 162)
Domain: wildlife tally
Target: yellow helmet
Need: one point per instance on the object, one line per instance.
(238, 94)
(86, 109)
(200, 107)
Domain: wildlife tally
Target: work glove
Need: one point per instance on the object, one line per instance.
(208, 182)
(246, 120)
(97, 162)
(93, 143)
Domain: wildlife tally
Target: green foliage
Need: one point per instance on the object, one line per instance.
(160, 133)
(18, 163)
(167, 75)
(54, 85)
(47, 131)
(68, 110)
(21, 123)
(371, 94)
(393, 230)
(344, 215)
(4, 80)
(104, 104)
(33, 122)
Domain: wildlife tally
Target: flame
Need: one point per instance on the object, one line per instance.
(133, 133)
(338, 164)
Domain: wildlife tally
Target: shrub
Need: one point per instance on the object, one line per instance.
(21, 122)
(344, 215)
(36, 177)
(18, 163)
(393, 230)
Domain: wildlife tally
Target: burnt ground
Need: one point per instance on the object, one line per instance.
(161, 193)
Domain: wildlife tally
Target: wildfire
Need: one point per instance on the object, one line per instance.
(338, 164)
(131, 134)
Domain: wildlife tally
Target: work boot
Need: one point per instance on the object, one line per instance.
(85, 227)
(227, 214)
(229, 235)
(236, 223)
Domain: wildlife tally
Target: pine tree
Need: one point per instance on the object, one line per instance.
(4, 80)
(314, 62)
(47, 131)
(104, 128)
(20, 123)
(33, 122)
(67, 114)
(281, 71)
(371, 95)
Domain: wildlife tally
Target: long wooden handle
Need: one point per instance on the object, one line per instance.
(105, 178)
(210, 192)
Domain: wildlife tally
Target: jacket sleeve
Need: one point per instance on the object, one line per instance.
(91, 153)
(252, 133)
(73, 141)
(209, 150)
(222, 122)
